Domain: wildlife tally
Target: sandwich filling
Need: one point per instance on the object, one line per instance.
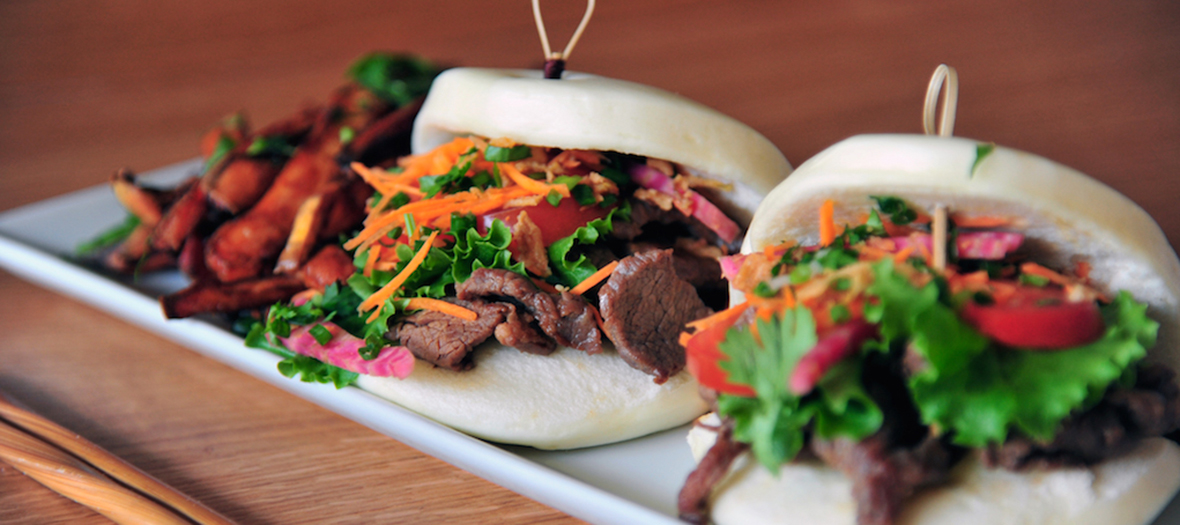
(534, 247)
(871, 353)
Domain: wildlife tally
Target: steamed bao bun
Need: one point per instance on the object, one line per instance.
(570, 399)
(1068, 217)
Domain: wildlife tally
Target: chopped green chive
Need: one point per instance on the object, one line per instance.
(321, 334)
(498, 154)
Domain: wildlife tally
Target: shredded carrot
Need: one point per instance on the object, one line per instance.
(534, 186)
(1041, 271)
(598, 318)
(727, 316)
(544, 286)
(827, 226)
(903, 254)
(426, 303)
(870, 253)
(594, 279)
(371, 260)
(387, 291)
(982, 221)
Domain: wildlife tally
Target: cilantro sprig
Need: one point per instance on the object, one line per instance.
(775, 421)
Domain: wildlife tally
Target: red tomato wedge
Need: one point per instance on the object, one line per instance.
(1038, 319)
(703, 358)
(555, 222)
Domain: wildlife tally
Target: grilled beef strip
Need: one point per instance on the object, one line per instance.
(693, 500)
(645, 306)
(565, 317)
(445, 340)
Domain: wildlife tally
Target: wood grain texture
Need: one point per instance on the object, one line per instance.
(87, 87)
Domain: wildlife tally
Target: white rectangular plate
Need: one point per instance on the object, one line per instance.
(630, 482)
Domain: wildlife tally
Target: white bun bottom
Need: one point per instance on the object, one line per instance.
(568, 399)
(1129, 490)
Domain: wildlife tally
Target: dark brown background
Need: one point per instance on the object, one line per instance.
(86, 87)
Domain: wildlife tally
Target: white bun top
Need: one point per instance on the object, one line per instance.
(582, 111)
(1069, 216)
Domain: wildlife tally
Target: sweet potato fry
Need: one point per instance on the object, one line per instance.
(238, 183)
(234, 126)
(241, 247)
(139, 201)
(211, 296)
(180, 220)
(330, 265)
(191, 259)
(135, 254)
(244, 176)
(386, 138)
(304, 233)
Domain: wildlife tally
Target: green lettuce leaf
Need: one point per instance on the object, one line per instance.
(570, 273)
(980, 392)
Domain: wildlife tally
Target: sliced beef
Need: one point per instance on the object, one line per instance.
(445, 340)
(703, 273)
(889, 466)
(1114, 426)
(883, 476)
(565, 317)
(693, 501)
(645, 306)
(519, 331)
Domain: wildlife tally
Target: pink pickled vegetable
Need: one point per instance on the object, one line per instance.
(706, 212)
(990, 246)
(842, 341)
(342, 351)
(731, 265)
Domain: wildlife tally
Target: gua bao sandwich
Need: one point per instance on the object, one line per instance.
(524, 275)
(937, 330)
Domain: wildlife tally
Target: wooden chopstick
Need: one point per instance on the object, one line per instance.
(30, 443)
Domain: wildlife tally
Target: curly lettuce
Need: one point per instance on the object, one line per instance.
(980, 392)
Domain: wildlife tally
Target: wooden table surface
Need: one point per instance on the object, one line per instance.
(87, 87)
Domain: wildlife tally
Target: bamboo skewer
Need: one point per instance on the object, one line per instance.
(21, 435)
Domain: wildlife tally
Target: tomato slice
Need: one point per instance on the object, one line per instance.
(1039, 319)
(703, 357)
(555, 222)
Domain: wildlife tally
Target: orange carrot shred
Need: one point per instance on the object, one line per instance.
(387, 291)
(544, 286)
(1041, 271)
(983, 221)
(594, 279)
(903, 254)
(827, 226)
(371, 259)
(534, 186)
(426, 303)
